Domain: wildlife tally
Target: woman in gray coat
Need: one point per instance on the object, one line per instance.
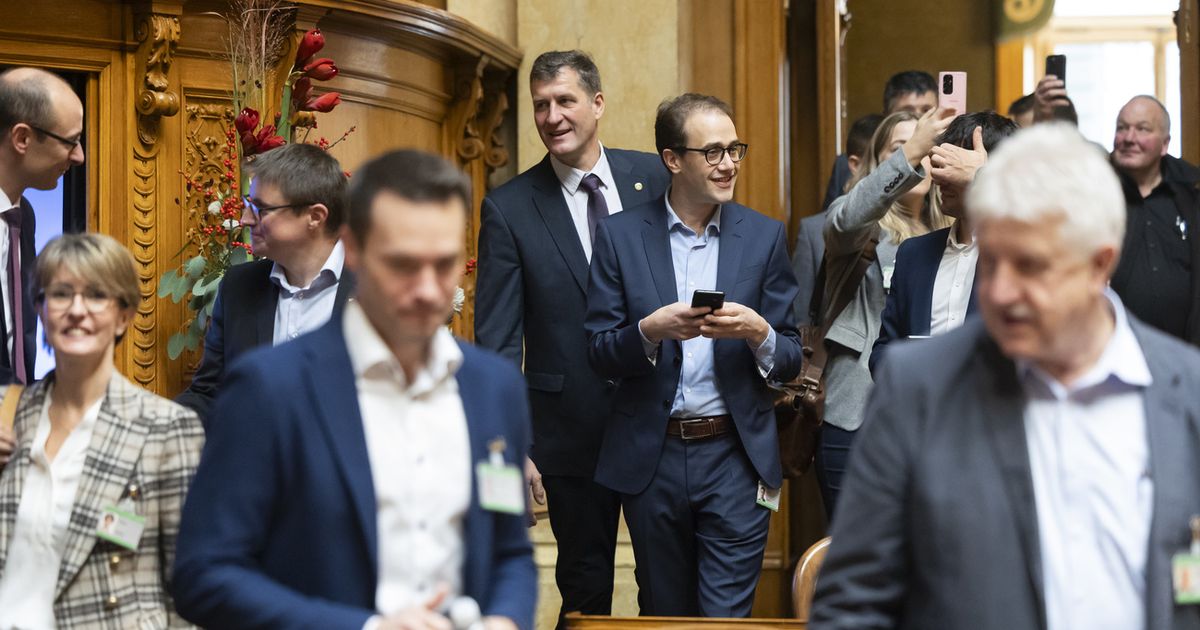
(890, 199)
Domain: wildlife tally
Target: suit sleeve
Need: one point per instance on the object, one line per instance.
(779, 295)
(206, 382)
(514, 575)
(615, 347)
(227, 519)
(499, 287)
(894, 324)
(853, 216)
(862, 582)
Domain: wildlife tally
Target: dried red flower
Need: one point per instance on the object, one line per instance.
(312, 42)
(322, 69)
(246, 120)
(323, 103)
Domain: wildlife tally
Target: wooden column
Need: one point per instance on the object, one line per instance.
(1187, 23)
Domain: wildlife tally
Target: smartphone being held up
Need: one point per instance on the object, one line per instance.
(711, 299)
(1057, 65)
(952, 91)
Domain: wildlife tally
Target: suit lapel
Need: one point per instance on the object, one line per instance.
(926, 274)
(12, 478)
(1002, 398)
(481, 429)
(345, 291)
(633, 188)
(729, 260)
(330, 379)
(113, 454)
(548, 199)
(657, 242)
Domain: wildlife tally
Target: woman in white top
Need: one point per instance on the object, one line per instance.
(90, 501)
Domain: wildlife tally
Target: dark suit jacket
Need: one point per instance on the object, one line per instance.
(29, 315)
(806, 263)
(910, 300)
(531, 297)
(243, 317)
(936, 526)
(632, 276)
(279, 530)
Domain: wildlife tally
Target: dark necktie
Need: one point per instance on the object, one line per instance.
(597, 206)
(13, 219)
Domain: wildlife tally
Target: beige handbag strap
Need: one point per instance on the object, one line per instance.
(8, 408)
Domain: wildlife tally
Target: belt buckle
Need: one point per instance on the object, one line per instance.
(703, 429)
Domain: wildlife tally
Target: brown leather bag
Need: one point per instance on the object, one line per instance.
(800, 404)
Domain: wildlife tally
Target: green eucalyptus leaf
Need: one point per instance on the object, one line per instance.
(175, 345)
(206, 284)
(194, 267)
(166, 284)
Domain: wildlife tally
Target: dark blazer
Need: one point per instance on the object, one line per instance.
(243, 317)
(632, 276)
(937, 525)
(910, 300)
(279, 530)
(806, 263)
(531, 297)
(29, 315)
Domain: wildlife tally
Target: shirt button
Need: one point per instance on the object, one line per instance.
(687, 390)
(689, 355)
(691, 284)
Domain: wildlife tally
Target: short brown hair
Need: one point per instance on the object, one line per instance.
(673, 114)
(305, 173)
(98, 259)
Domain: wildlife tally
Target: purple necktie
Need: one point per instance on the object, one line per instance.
(13, 219)
(597, 206)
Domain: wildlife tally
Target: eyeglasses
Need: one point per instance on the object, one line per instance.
(60, 298)
(714, 155)
(260, 210)
(66, 142)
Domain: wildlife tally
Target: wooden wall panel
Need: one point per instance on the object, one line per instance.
(1188, 36)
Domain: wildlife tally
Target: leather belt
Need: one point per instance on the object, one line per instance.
(699, 428)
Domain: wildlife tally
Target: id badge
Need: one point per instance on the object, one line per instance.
(1185, 573)
(121, 526)
(501, 485)
(768, 497)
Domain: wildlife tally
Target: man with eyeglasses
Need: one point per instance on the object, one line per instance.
(41, 122)
(294, 210)
(691, 443)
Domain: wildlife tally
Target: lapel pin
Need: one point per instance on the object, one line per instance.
(637, 186)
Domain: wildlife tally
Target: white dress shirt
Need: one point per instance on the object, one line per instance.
(305, 309)
(40, 535)
(1090, 465)
(8, 205)
(952, 286)
(420, 456)
(577, 197)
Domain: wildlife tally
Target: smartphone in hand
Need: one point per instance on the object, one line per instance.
(1057, 65)
(952, 91)
(711, 299)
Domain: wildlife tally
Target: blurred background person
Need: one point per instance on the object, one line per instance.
(889, 201)
(92, 446)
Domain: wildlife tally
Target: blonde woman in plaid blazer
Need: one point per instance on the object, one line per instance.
(131, 450)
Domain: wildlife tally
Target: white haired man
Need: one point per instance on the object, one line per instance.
(1039, 470)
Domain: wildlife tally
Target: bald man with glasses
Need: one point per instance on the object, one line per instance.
(295, 210)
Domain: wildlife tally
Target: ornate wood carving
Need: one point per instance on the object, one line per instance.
(461, 123)
(158, 35)
(492, 115)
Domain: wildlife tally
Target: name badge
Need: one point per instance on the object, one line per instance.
(768, 497)
(1185, 569)
(501, 485)
(121, 526)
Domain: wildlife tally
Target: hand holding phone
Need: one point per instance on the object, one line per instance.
(952, 91)
(1057, 66)
(711, 299)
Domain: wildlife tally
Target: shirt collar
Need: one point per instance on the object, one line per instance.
(7, 203)
(333, 265)
(953, 244)
(372, 359)
(1122, 359)
(571, 177)
(674, 222)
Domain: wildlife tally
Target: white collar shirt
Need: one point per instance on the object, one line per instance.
(39, 536)
(577, 197)
(8, 204)
(952, 286)
(420, 457)
(1090, 462)
(304, 309)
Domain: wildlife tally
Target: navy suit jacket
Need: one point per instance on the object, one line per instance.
(632, 276)
(279, 528)
(910, 300)
(29, 315)
(243, 317)
(531, 297)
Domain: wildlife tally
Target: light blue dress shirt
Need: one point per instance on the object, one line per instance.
(1090, 462)
(304, 309)
(695, 258)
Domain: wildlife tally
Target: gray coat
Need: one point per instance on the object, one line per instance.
(806, 262)
(937, 524)
(851, 221)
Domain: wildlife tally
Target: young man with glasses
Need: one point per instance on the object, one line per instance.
(41, 123)
(691, 443)
(294, 210)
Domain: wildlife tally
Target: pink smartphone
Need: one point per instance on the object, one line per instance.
(952, 91)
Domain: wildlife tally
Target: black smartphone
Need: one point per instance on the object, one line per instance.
(1057, 65)
(711, 299)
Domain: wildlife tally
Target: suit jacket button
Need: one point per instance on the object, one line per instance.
(111, 603)
(678, 360)
(114, 559)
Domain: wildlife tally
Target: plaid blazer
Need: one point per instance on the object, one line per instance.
(143, 447)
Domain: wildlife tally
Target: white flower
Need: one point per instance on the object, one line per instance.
(460, 298)
(231, 224)
(214, 208)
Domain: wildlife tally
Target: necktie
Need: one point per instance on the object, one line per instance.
(13, 219)
(597, 206)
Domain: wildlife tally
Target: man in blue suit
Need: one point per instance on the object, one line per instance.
(381, 479)
(933, 283)
(691, 442)
(530, 298)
